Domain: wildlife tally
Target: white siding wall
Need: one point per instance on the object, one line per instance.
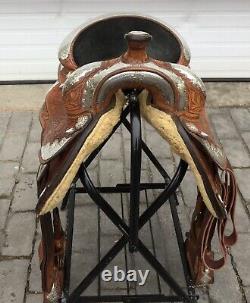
(218, 32)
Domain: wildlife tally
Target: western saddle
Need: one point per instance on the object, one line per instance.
(97, 65)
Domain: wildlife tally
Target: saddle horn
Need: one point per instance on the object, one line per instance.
(137, 47)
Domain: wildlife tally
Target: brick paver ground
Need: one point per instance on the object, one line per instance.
(20, 234)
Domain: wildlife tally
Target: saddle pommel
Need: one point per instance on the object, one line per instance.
(137, 45)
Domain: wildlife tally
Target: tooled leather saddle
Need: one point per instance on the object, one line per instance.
(96, 66)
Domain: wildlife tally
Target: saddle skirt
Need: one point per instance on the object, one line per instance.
(83, 106)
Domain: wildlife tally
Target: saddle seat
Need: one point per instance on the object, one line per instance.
(104, 40)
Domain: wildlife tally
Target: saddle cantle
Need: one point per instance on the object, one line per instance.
(86, 102)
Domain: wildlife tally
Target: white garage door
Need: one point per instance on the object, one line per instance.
(218, 33)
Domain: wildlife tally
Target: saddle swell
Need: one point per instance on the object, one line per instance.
(84, 105)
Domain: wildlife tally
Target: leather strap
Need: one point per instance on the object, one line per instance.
(51, 254)
(203, 227)
(228, 194)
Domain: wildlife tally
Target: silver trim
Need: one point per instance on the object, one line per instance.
(70, 130)
(43, 191)
(186, 51)
(78, 74)
(203, 134)
(185, 71)
(81, 121)
(215, 152)
(139, 77)
(178, 81)
(192, 127)
(53, 297)
(93, 82)
(48, 150)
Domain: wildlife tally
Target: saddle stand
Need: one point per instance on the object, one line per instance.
(136, 222)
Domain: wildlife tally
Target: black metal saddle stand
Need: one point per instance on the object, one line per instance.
(136, 222)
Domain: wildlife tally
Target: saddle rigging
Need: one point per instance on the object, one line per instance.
(81, 109)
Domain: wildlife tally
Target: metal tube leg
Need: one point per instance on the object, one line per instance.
(46, 252)
(135, 172)
(149, 153)
(69, 239)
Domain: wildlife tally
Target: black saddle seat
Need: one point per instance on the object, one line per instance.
(104, 39)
